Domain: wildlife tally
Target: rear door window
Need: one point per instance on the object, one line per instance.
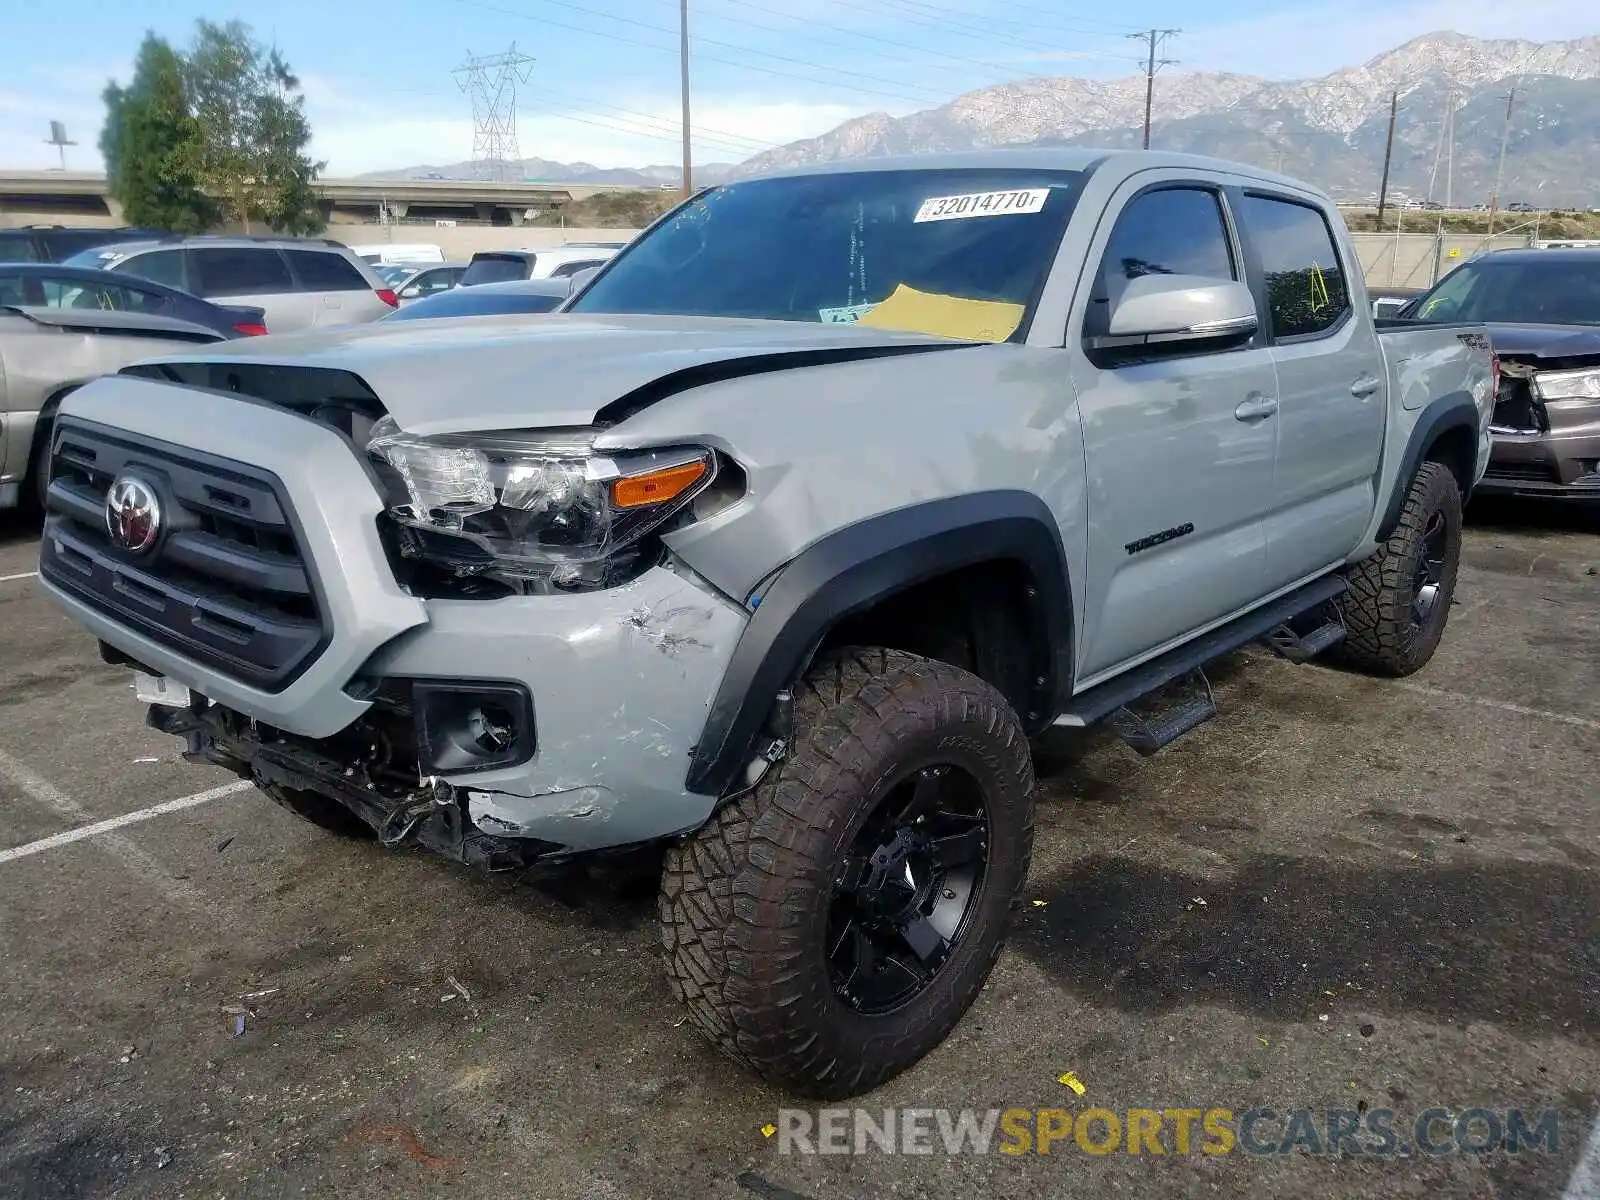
(241, 271)
(159, 266)
(1306, 288)
(320, 271)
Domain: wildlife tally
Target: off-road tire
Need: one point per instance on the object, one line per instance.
(745, 901)
(319, 810)
(1382, 636)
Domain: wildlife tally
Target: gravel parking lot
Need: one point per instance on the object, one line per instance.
(1341, 893)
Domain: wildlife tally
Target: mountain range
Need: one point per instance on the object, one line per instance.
(1451, 116)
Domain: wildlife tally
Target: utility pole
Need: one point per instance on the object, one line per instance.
(1154, 37)
(1500, 168)
(683, 67)
(1450, 147)
(1388, 153)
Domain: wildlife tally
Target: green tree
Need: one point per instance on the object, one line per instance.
(152, 145)
(254, 129)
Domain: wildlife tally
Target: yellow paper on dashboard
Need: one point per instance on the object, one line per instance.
(945, 316)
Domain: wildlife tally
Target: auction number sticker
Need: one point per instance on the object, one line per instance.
(981, 204)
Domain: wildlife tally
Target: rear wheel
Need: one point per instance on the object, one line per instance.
(1399, 598)
(830, 927)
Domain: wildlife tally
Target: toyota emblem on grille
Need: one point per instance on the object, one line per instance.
(133, 514)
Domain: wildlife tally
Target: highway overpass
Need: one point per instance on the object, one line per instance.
(34, 197)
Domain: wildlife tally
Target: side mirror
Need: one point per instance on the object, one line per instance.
(1158, 309)
(1388, 306)
(412, 292)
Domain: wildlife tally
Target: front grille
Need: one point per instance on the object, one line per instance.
(1523, 472)
(1515, 409)
(225, 584)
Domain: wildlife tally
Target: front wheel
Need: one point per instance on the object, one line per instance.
(830, 927)
(1399, 598)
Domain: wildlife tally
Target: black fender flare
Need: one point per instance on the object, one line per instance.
(1455, 410)
(854, 568)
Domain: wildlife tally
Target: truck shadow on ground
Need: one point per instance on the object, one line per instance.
(1534, 517)
(1510, 944)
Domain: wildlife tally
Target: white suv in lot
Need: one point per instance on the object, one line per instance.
(298, 282)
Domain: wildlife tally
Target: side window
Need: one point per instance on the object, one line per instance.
(1305, 282)
(18, 248)
(324, 271)
(1171, 231)
(160, 266)
(243, 271)
(14, 289)
(572, 268)
(138, 300)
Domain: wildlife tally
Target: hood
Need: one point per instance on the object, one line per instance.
(1545, 342)
(484, 373)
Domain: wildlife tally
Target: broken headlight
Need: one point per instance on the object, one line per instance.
(543, 510)
(1569, 385)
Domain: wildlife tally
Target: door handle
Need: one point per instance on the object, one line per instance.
(1256, 407)
(1365, 386)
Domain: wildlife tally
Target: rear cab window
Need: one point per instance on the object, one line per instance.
(1306, 290)
(241, 271)
(496, 268)
(325, 271)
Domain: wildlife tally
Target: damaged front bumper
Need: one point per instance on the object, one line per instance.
(617, 684)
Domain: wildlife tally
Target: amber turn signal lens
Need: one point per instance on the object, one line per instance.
(653, 487)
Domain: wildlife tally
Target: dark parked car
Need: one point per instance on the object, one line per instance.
(1543, 312)
(489, 299)
(52, 285)
(56, 243)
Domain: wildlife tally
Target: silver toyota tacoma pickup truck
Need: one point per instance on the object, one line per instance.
(772, 550)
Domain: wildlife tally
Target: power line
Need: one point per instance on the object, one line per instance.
(869, 37)
(617, 37)
(1155, 37)
(742, 49)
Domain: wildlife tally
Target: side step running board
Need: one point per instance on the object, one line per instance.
(1147, 734)
(1298, 647)
(1106, 698)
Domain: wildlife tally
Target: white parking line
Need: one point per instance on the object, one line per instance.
(135, 859)
(1585, 1181)
(1423, 689)
(24, 575)
(110, 823)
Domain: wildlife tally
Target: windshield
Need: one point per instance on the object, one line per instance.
(956, 253)
(1557, 291)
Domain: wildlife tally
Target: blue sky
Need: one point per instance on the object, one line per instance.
(377, 73)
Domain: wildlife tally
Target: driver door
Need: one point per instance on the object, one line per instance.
(1180, 439)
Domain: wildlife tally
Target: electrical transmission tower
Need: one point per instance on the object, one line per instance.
(491, 80)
